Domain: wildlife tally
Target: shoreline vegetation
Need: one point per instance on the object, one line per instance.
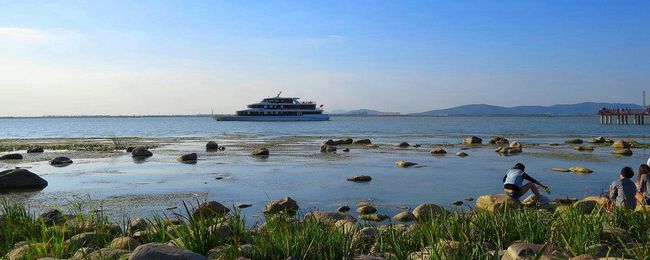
(498, 228)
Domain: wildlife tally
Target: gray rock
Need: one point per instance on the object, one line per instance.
(262, 151)
(573, 141)
(362, 141)
(438, 151)
(60, 161)
(403, 144)
(473, 140)
(404, 217)
(404, 164)
(159, 251)
(141, 151)
(211, 208)
(108, 254)
(327, 148)
(126, 243)
(284, 205)
(366, 210)
(35, 150)
(83, 240)
(21, 180)
(343, 209)
(211, 146)
(360, 178)
(12, 156)
(191, 157)
(426, 211)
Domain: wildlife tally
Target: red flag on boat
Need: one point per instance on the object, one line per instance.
(321, 106)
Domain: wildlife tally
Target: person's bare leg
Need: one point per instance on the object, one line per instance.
(530, 186)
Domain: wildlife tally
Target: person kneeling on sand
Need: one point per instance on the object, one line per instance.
(513, 183)
(622, 191)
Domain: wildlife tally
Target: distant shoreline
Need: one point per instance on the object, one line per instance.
(332, 115)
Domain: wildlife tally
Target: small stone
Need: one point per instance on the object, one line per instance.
(362, 141)
(622, 151)
(438, 151)
(403, 144)
(404, 164)
(461, 154)
(212, 146)
(60, 161)
(244, 205)
(260, 152)
(583, 148)
(469, 199)
(346, 150)
(284, 205)
(360, 178)
(573, 141)
(191, 157)
(578, 169)
(366, 210)
(457, 203)
(35, 150)
(141, 151)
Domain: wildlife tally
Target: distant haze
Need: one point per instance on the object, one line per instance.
(189, 57)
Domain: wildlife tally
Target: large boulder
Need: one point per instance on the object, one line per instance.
(498, 140)
(284, 205)
(141, 151)
(588, 204)
(520, 251)
(362, 141)
(404, 164)
(21, 179)
(360, 178)
(426, 211)
(473, 140)
(191, 157)
(61, 161)
(262, 151)
(138, 224)
(12, 156)
(438, 151)
(163, 252)
(108, 254)
(496, 202)
(211, 208)
(212, 146)
(620, 144)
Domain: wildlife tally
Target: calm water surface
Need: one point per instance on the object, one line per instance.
(318, 181)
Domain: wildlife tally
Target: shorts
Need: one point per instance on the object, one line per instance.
(514, 194)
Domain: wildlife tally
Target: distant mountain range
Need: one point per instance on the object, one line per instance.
(586, 108)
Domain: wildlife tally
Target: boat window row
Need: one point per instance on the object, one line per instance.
(283, 106)
(276, 113)
(278, 100)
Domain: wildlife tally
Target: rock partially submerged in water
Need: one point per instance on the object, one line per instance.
(438, 151)
(35, 150)
(61, 161)
(496, 202)
(560, 170)
(12, 156)
(498, 140)
(507, 150)
(620, 144)
(403, 144)
(366, 210)
(579, 169)
(461, 154)
(163, 251)
(584, 148)
(284, 205)
(21, 180)
(188, 158)
(362, 141)
(473, 140)
(141, 152)
(328, 148)
(573, 141)
(262, 151)
(404, 164)
(622, 151)
(360, 178)
(598, 140)
(212, 146)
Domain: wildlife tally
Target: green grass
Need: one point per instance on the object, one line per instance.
(458, 235)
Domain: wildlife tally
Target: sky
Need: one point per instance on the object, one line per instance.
(189, 57)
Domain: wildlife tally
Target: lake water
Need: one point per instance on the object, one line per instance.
(338, 126)
(296, 168)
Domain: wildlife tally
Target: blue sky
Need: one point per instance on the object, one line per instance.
(183, 57)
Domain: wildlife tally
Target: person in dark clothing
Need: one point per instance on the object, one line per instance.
(513, 182)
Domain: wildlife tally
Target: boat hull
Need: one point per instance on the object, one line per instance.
(271, 118)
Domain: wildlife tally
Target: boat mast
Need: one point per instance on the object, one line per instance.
(278, 94)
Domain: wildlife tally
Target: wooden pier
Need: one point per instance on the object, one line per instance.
(622, 116)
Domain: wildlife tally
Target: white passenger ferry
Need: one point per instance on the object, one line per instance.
(278, 109)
